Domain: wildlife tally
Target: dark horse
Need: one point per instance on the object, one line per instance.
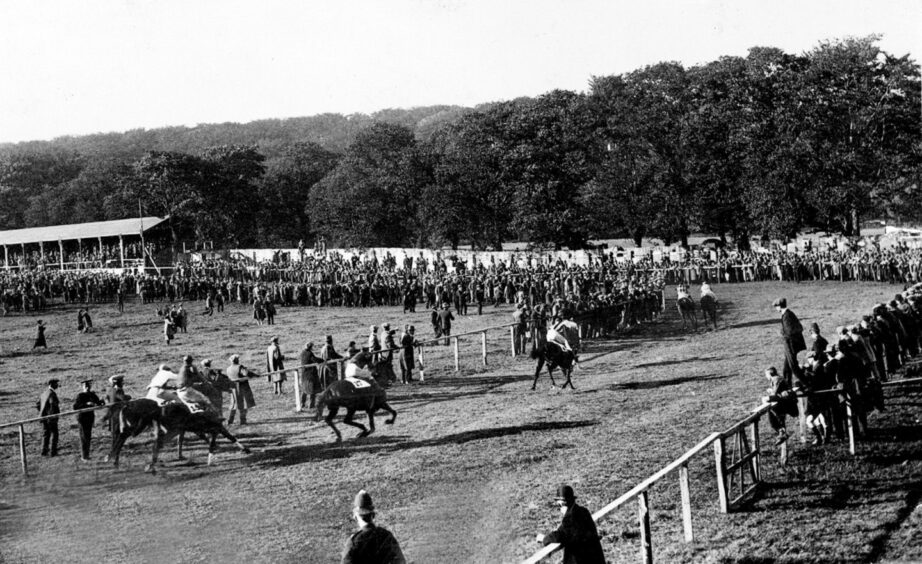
(554, 356)
(354, 394)
(686, 307)
(167, 422)
(709, 309)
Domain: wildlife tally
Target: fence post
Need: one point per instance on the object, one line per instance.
(483, 346)
(422, 364)
(512, 338)
(22, 450)
(298, 406)
(757, 458)
(646, 543)
(686, 503)
(721, 474)
(457, 366)
(851, 426)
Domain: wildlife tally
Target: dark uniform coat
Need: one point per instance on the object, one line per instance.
(372, 545)
(579, 537)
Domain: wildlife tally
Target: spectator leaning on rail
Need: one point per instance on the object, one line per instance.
(779, 392)
(371, 543)
(577, 531)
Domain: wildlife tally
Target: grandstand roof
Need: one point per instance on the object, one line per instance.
(73, 231)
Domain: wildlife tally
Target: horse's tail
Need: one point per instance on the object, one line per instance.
(535, 353)
(321, 403)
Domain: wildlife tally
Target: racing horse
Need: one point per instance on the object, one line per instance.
(709, 309)
(354, 394)
(167, 422)
(686, 306)
(554, 356)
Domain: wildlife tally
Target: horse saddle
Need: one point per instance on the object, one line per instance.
(358, 383)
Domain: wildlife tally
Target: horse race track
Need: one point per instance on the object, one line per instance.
(468, 471)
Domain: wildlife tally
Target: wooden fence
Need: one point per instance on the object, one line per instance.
(741, 471)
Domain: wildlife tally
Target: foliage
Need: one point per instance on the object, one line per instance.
(759, 145)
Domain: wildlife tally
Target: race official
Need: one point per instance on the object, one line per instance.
(371, 544)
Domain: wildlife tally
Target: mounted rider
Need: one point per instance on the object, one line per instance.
(706, 290)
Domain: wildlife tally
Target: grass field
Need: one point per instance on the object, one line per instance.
(468, 471)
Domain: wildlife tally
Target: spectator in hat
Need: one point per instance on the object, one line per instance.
(40, 336)
(241, 394)
(352, 350)
(374, 343)
(407, 354)
(819, 343)
(85, 399)
(48, 405)
(779, 392)
(371, 543)
(115, 395)
(792, 334)
(216, 384)
(309, 376)
(328, 372)
(275, 365)
(577, 531)
(445, 319)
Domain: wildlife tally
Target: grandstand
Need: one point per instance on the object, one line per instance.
(99, 244)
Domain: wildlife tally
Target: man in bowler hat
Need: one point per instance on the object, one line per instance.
(371, 543)
(48, 405)
(85, 399)
(577, 532)
(792, 334)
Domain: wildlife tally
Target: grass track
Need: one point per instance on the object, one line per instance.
(467, 472)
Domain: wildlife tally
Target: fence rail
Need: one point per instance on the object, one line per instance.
(748, 464)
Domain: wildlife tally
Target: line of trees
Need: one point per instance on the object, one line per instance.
(765, 144)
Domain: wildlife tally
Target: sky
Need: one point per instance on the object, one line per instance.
(73, 67)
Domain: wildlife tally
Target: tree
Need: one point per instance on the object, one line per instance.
(862, 116)
(285, 191)
(547, 156)
(641, 176)
(229, 201)
(164, 184)
(371, 197)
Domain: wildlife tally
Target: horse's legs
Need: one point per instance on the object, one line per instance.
(229, 436)
(117, 446)
(550, 372)
(179, 442)
(371, 421)
(350, 413)
(155, 450)
(567, 372)
(538, 371)
(333, 410)
(385, 407)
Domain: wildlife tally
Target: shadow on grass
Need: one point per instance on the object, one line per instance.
(758, 323)
(651, 385)
(672, 362)
(391, 443)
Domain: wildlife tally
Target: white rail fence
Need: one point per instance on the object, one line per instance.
(741, 471)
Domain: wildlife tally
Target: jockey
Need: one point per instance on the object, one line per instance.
(554, 335)
(681, 292)
(706, 290)
(361, 360)
(163, 386)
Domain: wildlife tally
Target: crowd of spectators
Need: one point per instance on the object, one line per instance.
(78, 259)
